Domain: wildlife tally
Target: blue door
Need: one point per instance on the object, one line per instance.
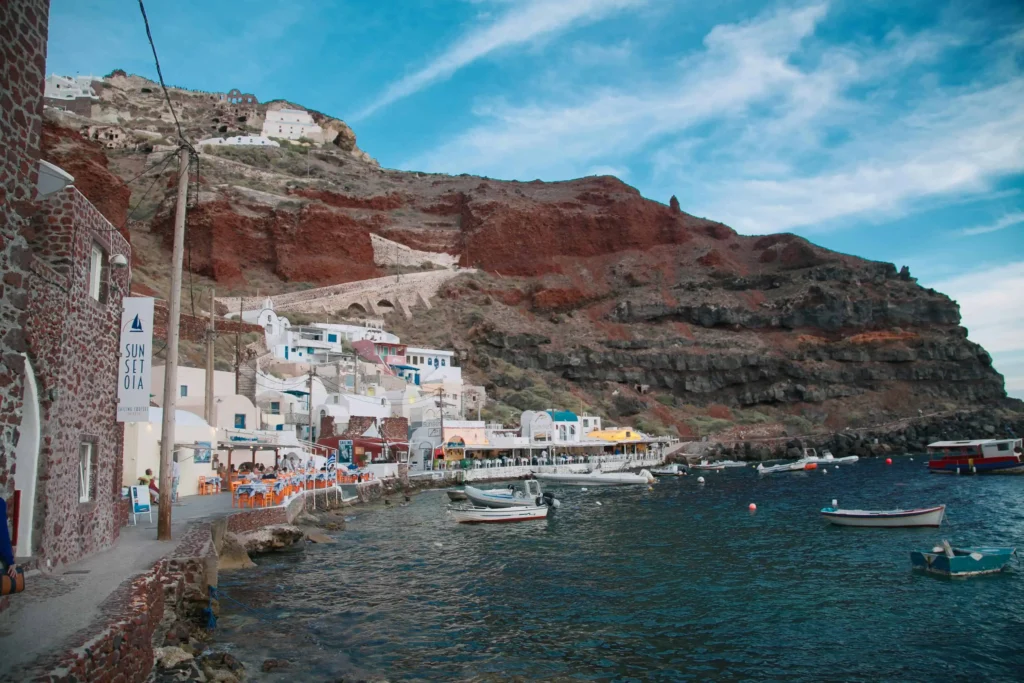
(286, 353)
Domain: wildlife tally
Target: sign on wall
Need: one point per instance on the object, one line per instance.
(135, 367)
(203, 452)
(344, 452)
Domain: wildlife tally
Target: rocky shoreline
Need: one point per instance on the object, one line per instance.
(907, 436)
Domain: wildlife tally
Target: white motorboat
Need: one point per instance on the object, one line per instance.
(885, 518)
(528, 493)
(827, 458)
(668, 471)
(798, 466)
(598, 478)
(719, 465)
(482, 515)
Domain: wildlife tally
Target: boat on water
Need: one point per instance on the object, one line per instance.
(597, 478)
(527, 493)
(931, 516)
(719, 465)
(456, 495)
(798, 466)
(470, 514)
(826, 458)
(980, 456)
(668, 471)
(949, 561)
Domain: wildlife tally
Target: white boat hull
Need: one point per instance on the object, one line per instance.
(798, 466)
(668, 471)
(474, 515)
(597, 478)
(886, 518)
(499, 498)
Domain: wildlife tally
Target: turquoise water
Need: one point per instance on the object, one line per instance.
(678, 583)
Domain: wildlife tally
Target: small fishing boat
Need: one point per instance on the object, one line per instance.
(885, 518)
(597, 478)
(798, 466)
(706, 466)
(456, 495)
(668, 471)
(950, 561)
(482, 515)
(528, 493)
(981, 456)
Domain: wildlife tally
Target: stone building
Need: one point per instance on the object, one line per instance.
(60, 306)
(291, 124)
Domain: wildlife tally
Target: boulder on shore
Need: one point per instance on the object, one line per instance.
(233, 554)
(271, 538)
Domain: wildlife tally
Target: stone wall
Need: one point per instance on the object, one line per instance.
(388, 253)
(193, 328)
(23, 33)
(73, 345)
(250, 520)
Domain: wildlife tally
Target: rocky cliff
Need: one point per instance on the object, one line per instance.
(586, 291)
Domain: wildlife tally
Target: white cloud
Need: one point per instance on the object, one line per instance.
(523, 23)
(741, 64)
(592, 54)
(1006, 221)
(990, 305)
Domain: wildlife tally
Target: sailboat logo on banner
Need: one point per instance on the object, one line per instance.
(136, 325)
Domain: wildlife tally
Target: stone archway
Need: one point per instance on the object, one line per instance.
(26, 458)
(356, 309)
(385, 304)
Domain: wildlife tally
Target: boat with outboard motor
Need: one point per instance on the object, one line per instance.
(826, 458)
(949, 561)
(470, 514)
(597, 478)
(672, 470)
(798, 466)
(527, 493)
(719, 465)
(931, 516)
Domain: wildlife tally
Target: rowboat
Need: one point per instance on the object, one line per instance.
(798, 466)
(668, 471)
(950, 561)
(981, 456)
(483, 515)
(885, 518)
(529, 493)
(597, 478)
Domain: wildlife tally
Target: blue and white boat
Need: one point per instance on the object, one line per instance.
(949, 561)
(528, 493)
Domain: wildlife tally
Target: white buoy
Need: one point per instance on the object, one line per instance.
(438, 545)
(837, 467)
(835, 503)
(911, 460)
(583, 489)
(824, 470)
(598, 502)
(700, 480)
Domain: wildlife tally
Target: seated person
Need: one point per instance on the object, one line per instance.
(268, 473)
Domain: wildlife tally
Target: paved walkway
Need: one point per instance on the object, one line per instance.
(54, 608)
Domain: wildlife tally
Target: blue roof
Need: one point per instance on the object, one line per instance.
(563, 415)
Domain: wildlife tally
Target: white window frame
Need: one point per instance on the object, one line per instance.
(85, 455)
(95, 272)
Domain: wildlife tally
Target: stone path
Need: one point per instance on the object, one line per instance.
(56, 610)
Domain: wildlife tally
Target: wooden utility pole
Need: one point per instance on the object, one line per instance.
(238, 348)
(312, 373)
(171, 368)
(210, 337)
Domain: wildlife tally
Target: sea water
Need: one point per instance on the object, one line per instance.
(677, 583)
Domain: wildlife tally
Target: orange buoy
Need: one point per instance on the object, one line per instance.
(888, 461)
(811, 466)
(752, 507)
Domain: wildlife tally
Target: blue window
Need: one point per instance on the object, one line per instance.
(184, 390)
(280, 428)
(309, 349)
(332, 338)
(443, 361)
(239, 420)
(275, 407)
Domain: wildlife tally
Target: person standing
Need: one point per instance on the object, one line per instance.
(175, 478)
(6, 549)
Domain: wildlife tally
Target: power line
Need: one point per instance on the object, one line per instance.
(160, 75)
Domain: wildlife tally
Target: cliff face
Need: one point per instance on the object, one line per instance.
(584, 283)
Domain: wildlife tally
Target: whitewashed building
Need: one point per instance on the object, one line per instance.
(291, 124)
(242, 141)
(435, 365)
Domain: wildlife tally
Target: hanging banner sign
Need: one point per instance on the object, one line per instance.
(135, 366)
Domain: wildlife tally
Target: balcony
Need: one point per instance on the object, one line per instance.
(296, 418)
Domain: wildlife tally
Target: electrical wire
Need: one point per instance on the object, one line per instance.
(160, 75)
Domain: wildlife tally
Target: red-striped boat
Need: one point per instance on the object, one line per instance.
(981, 456)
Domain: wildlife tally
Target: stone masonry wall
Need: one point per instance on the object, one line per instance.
(23, 33)
(193, 328)
(388, 253)
(73, 344)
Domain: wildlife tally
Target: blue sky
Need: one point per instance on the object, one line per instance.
(892, 130)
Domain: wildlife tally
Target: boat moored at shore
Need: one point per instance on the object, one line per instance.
(980, 456)
(597, 478)
(484, 515)
(528, 493)
(668, 471)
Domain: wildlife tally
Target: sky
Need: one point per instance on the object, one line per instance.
(893, 130)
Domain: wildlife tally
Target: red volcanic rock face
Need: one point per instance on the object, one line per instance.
(86, 161)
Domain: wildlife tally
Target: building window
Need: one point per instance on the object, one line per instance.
(184, 390)
(442, 362)
(275, 407)
(239, 420)
(332, 338)
(84, 472)
(96, 273)
(270, 329)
